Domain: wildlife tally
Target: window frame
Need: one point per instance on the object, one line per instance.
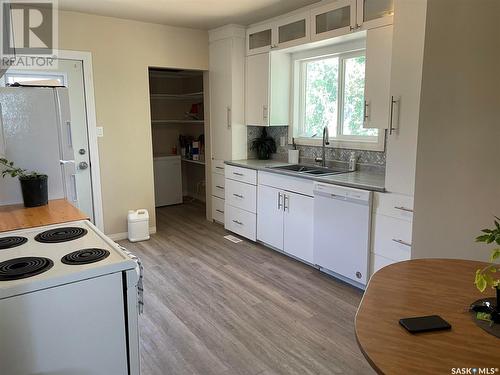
(338, 140)
(34, 74)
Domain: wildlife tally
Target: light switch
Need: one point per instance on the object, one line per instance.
(100, 132)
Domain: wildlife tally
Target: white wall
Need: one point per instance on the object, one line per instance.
(458, 163)
(122, 51)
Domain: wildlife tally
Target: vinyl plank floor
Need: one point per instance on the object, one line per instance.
(215, 307)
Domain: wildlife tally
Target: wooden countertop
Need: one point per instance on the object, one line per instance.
(422, 287)
(58, 211)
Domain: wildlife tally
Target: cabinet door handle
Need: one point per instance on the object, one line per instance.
(286, 203)
(402, 242)
(239, 196)
(366, 116)
(280, 201)
(229, 117)
(391, 121)
(405, 209)
(219, 187)
(222, 168)
(237, 222)
(238, 174)
(220, 211)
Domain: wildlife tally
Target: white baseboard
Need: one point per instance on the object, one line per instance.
(124, 235)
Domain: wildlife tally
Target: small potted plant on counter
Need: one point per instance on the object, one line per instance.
(264, 145)
(489, 276)
(34, 186)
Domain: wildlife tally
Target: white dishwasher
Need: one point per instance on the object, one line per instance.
(342, 220)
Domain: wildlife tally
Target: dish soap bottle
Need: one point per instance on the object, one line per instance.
(352, 162)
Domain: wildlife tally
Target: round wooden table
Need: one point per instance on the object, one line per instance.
(422, 287)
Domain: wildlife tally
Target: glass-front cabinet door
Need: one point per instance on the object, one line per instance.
(293, 30)
(334, 19)
(259, 39)
(374, 13)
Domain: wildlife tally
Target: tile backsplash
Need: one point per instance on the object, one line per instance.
(374, 159)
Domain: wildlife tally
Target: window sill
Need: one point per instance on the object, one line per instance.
(345, 144)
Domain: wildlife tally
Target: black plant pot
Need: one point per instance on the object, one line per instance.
(263, 154)
(35, 191)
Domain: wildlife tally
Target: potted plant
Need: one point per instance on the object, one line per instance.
(489, 276)
(34, 186)
(264, 145)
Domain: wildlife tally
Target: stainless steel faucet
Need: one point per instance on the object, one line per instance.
(326, 142)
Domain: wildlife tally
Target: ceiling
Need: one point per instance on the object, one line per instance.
(200, 14)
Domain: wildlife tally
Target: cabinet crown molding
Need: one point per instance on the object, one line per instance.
(226, 32)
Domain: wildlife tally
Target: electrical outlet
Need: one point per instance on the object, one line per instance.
(283, 141)
(100, 131)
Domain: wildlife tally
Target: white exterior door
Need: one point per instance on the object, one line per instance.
(270, 216)
(70, 110)
(298, 226)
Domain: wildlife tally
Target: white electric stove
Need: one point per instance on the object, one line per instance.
(68, 302)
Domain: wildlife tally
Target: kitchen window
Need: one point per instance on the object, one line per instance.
(331, 93)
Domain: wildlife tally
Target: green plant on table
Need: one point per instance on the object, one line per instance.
(489, 276)
(9, 169)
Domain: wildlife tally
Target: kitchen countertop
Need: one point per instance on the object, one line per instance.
(13, 217)
(367, 180)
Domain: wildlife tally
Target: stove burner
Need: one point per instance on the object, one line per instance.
(61, 235)
(21, 268)
(10, 242)
(85, 256)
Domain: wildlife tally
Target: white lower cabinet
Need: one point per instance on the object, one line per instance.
(285, 221)
(240, 222)
(218, 209)
(241, 201)
(391, 229)
(270, 216)
(298, 226)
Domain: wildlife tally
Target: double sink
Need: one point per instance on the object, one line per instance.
(309, 170)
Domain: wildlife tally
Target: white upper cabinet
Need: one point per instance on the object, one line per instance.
(267, 99)
(378, 78)
(292, 31)
(334, 19)
(406, 82)
(260, 39)
(227, 103)
(287, 32)
(374, 13)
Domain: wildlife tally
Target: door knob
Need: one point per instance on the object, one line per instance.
(83, 165)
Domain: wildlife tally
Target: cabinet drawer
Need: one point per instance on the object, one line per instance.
(241, 195)
(218, 209)
(394, 205)
(248, 176)
(378, 262)
(218, 185)
(218, 166)
(392, 237)
(240, 222)
(288, 183)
